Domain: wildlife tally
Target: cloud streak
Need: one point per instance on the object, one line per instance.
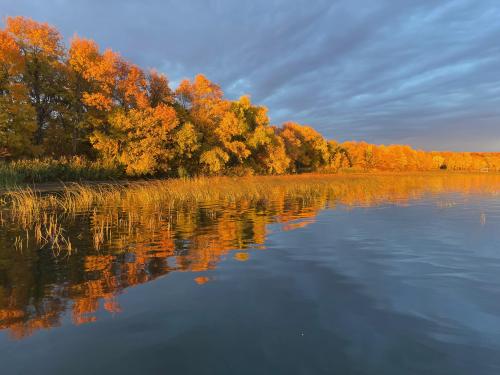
(419, 72)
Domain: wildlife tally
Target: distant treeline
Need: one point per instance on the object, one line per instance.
(367, 156)
(62, 103)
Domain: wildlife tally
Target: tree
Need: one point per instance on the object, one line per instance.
(203, 100)
(140, 139)
(338, 156)
(158, 90)
(268, 151)
(83, 60)
(214, 160)
(57, 101)
(186, 150)
(305, 146)
(41, 68)
(17, 118)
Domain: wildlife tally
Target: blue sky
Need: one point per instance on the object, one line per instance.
(419, 72)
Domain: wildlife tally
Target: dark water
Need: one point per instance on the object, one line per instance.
(409, 284)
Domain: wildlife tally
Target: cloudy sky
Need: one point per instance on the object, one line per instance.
(419, 72)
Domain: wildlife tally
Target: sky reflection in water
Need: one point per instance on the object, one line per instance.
(401, 280)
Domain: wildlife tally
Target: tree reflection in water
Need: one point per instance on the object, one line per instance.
(121, 245)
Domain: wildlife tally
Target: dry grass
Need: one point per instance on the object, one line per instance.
(47, 233)
(28, 204)
(151, 204)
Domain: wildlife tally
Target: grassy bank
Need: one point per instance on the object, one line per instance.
(33, 171)
(26, 173)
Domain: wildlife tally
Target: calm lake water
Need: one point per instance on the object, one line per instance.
(380, 280)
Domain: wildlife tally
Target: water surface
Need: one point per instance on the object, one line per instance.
(382, 277)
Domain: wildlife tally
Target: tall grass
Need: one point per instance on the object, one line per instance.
(155, 194)
(150, 205)
(22, 172)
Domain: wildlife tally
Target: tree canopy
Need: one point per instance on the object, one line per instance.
(59, 101)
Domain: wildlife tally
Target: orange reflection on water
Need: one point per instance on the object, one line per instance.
(138, 244)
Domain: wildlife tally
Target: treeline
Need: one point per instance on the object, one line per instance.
(78, 101)
(365, 156)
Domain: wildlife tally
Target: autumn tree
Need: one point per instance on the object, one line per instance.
(17, 118)
(140, 139)
(207, 111)
(40, 69)
(204, 101)
(268, 152)
(82, 63)
(339, 157)
(305, 146)
(186, 150)
(57, 101)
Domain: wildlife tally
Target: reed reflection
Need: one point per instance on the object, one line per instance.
(128, 237)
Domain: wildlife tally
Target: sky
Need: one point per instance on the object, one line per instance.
(419, 72)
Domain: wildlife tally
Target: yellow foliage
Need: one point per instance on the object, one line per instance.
(138, 139)
(214, 160)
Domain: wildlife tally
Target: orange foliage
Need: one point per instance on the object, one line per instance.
(366, 156)
(80, 100)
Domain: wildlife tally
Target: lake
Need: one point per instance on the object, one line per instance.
(356, 275)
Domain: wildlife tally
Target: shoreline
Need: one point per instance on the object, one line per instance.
(57, 186)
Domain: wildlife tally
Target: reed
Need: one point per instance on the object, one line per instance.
(157, 195)
(50, 233)
(153, 205)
